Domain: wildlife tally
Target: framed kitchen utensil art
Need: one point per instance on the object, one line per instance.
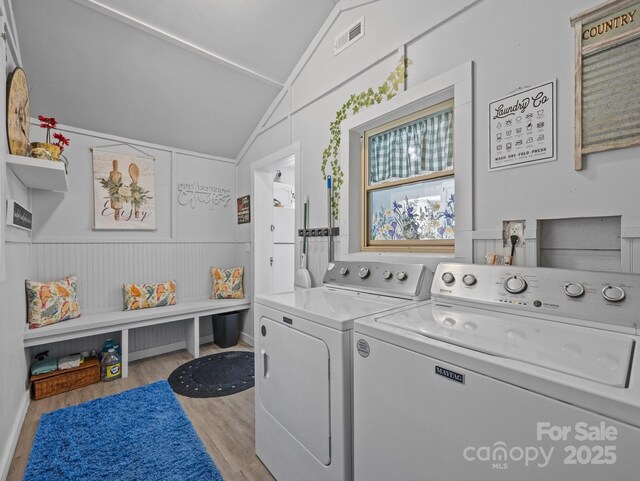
(124, 191)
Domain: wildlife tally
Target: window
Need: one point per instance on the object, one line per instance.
(408, 188)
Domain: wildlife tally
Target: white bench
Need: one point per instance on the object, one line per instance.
(124, 321)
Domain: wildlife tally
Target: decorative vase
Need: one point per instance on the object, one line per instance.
(54, 150)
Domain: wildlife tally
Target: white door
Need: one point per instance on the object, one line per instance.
(263, 174)
(283, 238)
(294, 385)
(284, 225)
(283, 268)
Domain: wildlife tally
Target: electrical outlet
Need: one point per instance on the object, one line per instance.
(512, 227)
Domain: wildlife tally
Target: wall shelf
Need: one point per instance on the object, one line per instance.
(38, 173)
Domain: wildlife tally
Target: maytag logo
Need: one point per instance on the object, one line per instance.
(454, 376)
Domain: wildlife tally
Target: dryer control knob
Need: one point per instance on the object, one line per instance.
(344, 271)
(469, 280)
(574, 289)
(363, 272)
(401, 276)
(613, 293)
(448, 278)
(515, 285)
(387, 275)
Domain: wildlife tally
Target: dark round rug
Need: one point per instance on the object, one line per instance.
(215, 375)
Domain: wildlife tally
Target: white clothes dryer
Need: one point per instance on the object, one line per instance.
(509, 373)
(304, 363)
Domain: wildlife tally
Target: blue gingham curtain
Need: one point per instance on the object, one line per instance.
(419, 147)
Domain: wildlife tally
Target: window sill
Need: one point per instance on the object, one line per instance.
(430, 259)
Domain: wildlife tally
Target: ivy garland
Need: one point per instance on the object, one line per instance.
(356, 102)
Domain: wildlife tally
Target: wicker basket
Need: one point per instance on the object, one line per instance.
(56, 382)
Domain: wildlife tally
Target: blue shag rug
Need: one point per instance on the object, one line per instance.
(142, 434)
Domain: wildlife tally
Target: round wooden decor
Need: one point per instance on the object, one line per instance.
(18, 113)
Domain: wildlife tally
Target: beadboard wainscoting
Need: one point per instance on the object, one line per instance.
(318, 257)
(102, 268)
(526, 255)
(14, 394)
(631, 252)
(582, 255)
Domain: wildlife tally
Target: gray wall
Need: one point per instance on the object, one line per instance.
(13, 375)
(513, 44)
(187, 242)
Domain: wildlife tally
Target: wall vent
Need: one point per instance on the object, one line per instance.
(351, 35)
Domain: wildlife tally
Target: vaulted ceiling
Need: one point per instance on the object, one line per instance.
(192, 74)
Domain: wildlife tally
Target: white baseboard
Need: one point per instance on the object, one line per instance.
(12, 441)
(157, 350)
(247, 338)
(176, 346)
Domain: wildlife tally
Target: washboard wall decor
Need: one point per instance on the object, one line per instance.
(607, 76)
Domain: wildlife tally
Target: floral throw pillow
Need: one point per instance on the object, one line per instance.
(141, 296)
(227, 283)
(51, 302)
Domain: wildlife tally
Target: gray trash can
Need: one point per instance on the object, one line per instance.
(226, 329)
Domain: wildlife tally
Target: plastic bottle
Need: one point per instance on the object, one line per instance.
(111, 366)
(108, 344)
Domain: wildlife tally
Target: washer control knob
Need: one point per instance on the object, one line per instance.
(574, 289)
(613, 293)
(401, 276)
(515, 285)
(386, 275)
(448, 278)
(344, 271)
(469, 279)
(363, 272)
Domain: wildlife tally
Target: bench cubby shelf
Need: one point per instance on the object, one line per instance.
(38, 173)
(124, 321)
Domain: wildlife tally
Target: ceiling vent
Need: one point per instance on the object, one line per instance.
(351, 35)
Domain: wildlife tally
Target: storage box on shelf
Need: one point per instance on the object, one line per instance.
(56, 382)
(38, 173)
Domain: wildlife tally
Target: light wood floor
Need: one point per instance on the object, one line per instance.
(225, 424)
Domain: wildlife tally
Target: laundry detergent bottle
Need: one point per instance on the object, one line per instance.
(111, 366)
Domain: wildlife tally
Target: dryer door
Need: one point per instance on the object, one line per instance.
(294, 385)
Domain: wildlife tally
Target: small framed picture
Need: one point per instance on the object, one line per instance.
(18, 216)
(244, 209)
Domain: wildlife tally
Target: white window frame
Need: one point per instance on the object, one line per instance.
(456, 83)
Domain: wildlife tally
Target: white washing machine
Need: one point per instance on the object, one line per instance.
(509, 373)
(303, 365)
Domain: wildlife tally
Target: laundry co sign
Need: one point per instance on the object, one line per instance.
(194, 193)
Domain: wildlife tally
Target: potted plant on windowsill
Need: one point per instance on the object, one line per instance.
(50, 150)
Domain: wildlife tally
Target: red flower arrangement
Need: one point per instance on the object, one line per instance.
(62, 141)
(50, 123)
